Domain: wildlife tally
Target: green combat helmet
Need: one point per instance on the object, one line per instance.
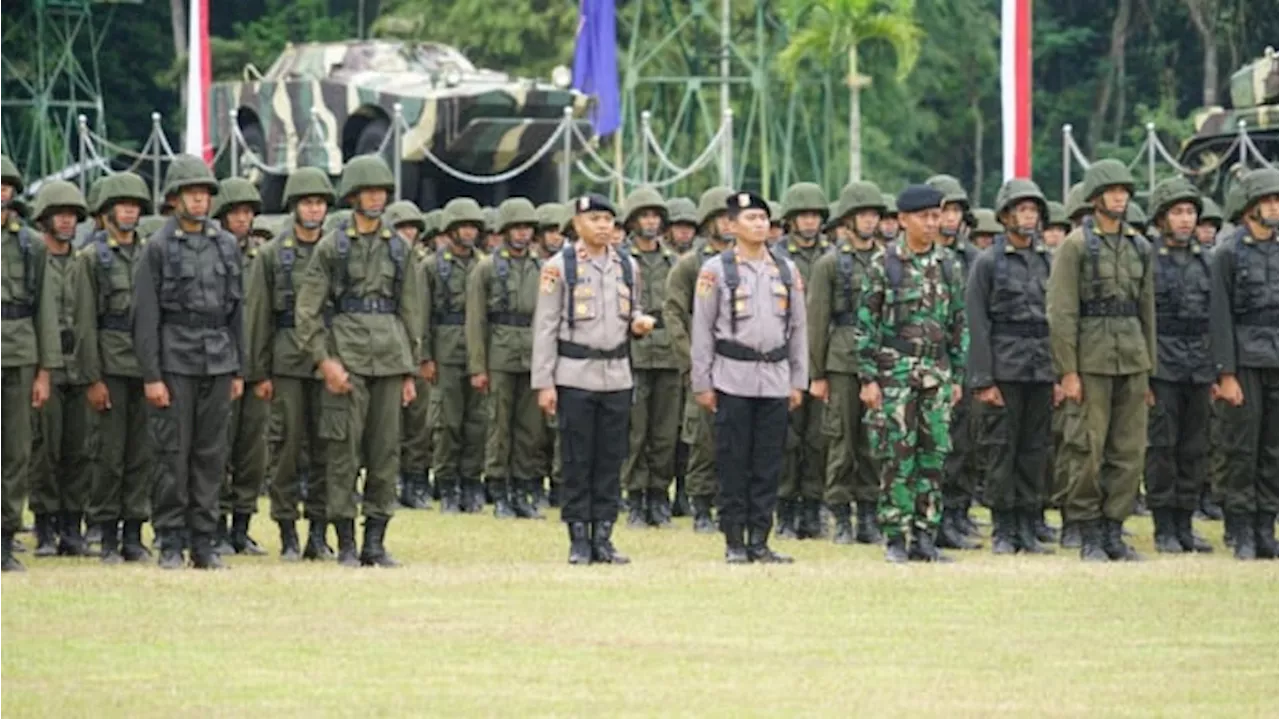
(890, 206)
(682, 210)
(775, 213)
(405, 212)
(432, 221)
(334, 220)
(713, 202)
(490, 224)
(1017, 190)
(1058, 215)
(57, 195)
(857, 196)
(516, 211)
(121, 187)
(1210, 212)
(93, 199)
(235, 191)
(264, 227)
(366, 172)
(643, 198)
(551, 215)
(1170, 192)
(833, 218)
(1103, 174)
(951, 189)
(985, 222)
(462, 210)
(1135, 217)
(804, 197)
(1258, 184)
(1077, 206)
(9, 174)
(308, 182)
(188, 171)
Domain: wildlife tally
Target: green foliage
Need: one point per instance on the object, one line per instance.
(826, 31)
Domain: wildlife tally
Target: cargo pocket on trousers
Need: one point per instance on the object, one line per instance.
(1075, 432)
(992, 425)
(1160, 429)
(335, 416)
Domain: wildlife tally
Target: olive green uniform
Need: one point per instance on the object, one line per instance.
(502, 293)
(377, 310)
(1101, 310)
(121, 486)
(656, 409)
(246, 433)
(415, 427)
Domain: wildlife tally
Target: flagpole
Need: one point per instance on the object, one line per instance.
(618, 189)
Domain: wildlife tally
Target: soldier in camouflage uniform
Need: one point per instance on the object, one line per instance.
(235, 206)
(502, 293)
(120, 491)
(457, 415)
(961, 473)
(677, 314)
(60, 467)
(804, 208)
(889, 229)
(1009, 367)
(415, 445)
(834, 292)
(283, 372)
(911, 345)
(656, 408)
(188, 336)
(1102, 330)
(30, 348)
(1178, 429)
(1243, 311)
(368, 356)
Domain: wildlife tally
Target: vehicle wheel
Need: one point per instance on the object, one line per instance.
(270, 185)
(369, 142)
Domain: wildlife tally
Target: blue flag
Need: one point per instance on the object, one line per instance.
(595, 63)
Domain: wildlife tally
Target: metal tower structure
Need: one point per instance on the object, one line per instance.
(49, 76)
(686, 61)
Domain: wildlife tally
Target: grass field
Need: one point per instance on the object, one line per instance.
(487, 619)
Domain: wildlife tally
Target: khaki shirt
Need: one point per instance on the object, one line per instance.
(602, 307)
(763, 305)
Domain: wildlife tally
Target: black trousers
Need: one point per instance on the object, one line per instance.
(1248, 439)
(594, 428)
(1016, 440)
(751, 437)
(1177, 445)
(189, 440)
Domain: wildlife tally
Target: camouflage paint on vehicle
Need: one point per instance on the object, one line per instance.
(1255, 100)
(475, 120)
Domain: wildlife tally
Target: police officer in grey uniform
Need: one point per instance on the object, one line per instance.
(586, 313)
(188, 335)
(750, 368)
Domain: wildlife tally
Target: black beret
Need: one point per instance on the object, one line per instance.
(739, 201)
(919, 197)
(594, 202)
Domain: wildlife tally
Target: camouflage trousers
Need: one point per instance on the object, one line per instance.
(909, 434)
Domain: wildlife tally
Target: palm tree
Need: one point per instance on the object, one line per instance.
(824, 30)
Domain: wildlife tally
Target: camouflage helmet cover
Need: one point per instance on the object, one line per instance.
(804, 197)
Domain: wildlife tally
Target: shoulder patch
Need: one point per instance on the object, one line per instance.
(706, 283)
(550, 279)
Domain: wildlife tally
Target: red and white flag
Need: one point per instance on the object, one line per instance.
(199, 76)
(1015, 86)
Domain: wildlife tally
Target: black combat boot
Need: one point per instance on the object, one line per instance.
(659, 509)
(1186, 533)
(895, 550)
(1003, 537)
(602, 549)
(1070, 538)
(1045, 532)
(680, 507)
(1091, 541)
(317, 545)
(373, 553)
(868, 525)
(241, 542)
(951, 532)
(70, 538)
(1265, 535)
(735, 549)
(169, 543)
(579, 543)
(924, 548)
(965, 522)
(346, 529)
(131, 546)
(844, 524)
(93, 535)
(636, 518)
(1114, 545)
(450, 495)
(412, 494)
(788, 523)
(501, 499)
(539, 494)
(553, 496)
(7, 561)
(202, 554)
(222, 536)
(290, 548)
(1028, 542)
(758, 548)
(470, 500)
(1166, 533)
(110, 543)
(46, 535)
(1244, 540)
(521, 500)
(810, 520)
(1209, 508)
(702, 521)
